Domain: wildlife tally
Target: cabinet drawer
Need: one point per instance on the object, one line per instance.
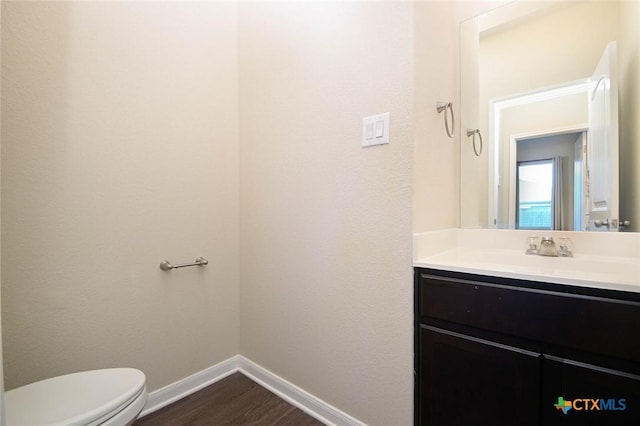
(593, 324)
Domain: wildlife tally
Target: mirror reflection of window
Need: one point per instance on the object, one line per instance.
(535, 195)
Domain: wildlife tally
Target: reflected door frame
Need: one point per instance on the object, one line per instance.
(496, 110)
(513, 142)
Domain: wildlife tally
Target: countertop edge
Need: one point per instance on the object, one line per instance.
(552, 279)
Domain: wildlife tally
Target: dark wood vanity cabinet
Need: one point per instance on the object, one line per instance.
(497, 351)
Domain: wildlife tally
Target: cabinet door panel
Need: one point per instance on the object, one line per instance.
(470, 381)
(592, 395)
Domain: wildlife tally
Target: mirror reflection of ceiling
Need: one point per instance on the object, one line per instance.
(554, 46)
(558, 43)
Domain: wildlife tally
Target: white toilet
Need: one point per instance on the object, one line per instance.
(109, 397)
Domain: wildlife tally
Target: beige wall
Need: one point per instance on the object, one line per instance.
(629, 111)
(436, 158)
(119, 150)
(436, 167)
(129, 157)
(472, 197)
(326, 289)
(1, 358)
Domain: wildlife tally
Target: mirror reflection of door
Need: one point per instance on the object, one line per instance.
(603, 146)
(550, 191)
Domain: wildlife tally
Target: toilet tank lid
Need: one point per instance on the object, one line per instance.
(73, 399)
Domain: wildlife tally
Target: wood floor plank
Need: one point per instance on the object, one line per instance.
(235, 400)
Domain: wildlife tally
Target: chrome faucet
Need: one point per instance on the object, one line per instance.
(548, 247)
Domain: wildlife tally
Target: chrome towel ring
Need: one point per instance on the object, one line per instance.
(472, 133)
(444, 106)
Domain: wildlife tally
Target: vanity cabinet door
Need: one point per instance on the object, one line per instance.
(470, 381)
(590, 394)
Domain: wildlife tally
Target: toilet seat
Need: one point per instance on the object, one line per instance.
(79, 399)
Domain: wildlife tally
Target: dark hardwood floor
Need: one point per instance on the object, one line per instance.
(234, 400)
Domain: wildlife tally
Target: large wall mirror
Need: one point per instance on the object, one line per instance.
(550, 117)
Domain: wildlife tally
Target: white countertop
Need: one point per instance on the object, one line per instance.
(442, 250)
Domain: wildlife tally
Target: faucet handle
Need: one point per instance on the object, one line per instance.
(566, 247)
(533, 245)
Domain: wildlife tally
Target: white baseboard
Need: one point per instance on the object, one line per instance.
(185, 387)
(315, 407)
(291, 393)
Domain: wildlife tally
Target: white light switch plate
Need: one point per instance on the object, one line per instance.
(375, 130)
